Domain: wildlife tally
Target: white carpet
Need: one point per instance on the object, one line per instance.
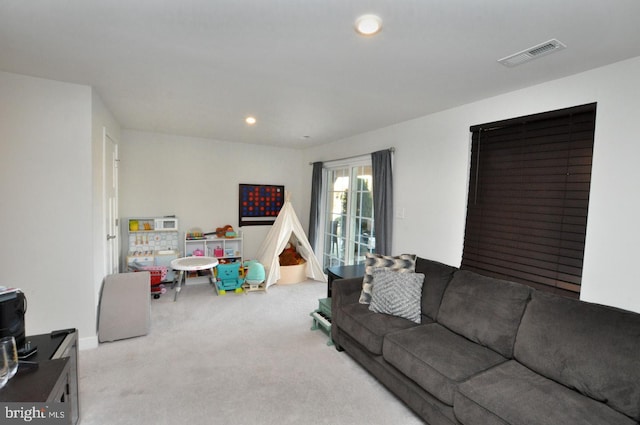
(232, 359)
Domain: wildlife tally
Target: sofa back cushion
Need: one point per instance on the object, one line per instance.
(590, 347)
(436, 278)
(484, 309)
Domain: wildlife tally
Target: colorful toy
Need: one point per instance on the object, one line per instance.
(229, 278)
(195, 233)
(255, 276)
(158, 275)
(225, 232)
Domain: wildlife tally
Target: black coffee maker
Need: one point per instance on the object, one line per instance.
(13, 306)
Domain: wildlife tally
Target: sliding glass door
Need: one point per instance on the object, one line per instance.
(348, 215)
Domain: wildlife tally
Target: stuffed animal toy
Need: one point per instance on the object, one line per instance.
(226, 232)
(290, 257)
(255, 272)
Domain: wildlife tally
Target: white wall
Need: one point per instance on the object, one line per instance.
(51, 189)
(432, 161)
(46, 190)
(197, 180)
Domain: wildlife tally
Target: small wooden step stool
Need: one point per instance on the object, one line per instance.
(251, 287)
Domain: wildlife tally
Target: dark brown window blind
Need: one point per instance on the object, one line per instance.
(529, 198)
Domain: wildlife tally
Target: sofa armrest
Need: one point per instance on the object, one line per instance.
(345, 291)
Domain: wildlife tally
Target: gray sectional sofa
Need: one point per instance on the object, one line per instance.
(489, 351)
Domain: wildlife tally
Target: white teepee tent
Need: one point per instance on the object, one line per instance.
(286, 225)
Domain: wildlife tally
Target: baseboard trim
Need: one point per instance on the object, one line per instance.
(88, 343)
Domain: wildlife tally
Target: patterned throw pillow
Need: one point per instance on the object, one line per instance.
(398, 294)
(405, 263)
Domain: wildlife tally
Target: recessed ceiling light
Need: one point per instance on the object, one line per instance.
(368, 25)
(250, 120)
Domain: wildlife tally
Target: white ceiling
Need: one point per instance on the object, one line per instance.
(199, 67)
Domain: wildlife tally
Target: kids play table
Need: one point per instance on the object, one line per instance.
(186, 264)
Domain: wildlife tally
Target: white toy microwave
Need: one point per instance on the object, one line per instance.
(165, 223)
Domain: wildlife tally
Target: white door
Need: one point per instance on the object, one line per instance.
(110, 167)
(348, 215)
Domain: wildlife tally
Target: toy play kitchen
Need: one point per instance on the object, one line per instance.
(151, 243)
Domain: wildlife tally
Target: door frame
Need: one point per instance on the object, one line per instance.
(110, 214)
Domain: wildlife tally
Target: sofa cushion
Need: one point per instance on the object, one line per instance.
(512, 394)
(436, 358)
(404, 263)
(484, 309)
(436, 278)
(397, 294)
(592, 348)
(366, 327)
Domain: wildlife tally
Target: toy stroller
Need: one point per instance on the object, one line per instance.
(158, 275)
(229, 278)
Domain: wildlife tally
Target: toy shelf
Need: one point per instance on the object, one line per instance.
(226, 250)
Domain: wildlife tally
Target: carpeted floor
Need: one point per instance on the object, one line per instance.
(233, 359)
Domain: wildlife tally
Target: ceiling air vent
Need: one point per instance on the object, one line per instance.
(531, 53)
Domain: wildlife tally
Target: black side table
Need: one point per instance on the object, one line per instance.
(343, 272)
(52, 375)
